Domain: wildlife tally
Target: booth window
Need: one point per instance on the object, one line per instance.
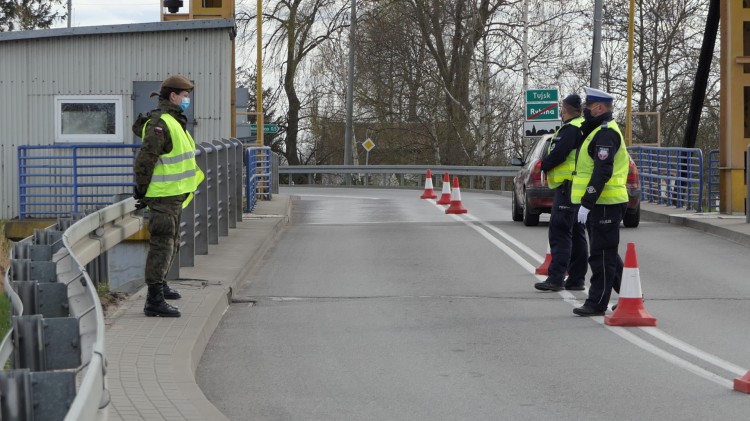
(88, 119)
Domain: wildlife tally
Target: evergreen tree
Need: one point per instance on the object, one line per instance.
(19, 15)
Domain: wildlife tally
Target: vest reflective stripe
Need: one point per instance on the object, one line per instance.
(615, 190)
(176, 172)
(556, 176)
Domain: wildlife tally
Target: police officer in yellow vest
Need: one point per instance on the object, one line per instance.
(599, 186)
(567, 238)
(166, 175)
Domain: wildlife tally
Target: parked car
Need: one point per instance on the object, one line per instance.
(532, 196)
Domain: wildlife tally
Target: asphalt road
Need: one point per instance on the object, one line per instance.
(375, 305)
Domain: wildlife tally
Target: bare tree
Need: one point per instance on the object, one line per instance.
(298, 28)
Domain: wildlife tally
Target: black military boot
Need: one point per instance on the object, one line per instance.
(155, 304)
(171, 293)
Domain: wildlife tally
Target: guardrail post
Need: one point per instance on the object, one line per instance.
(223, 188)
(212, 193)
(201, 206)
(187, 244)
(36, 396)
(237, 171)
(231, 217)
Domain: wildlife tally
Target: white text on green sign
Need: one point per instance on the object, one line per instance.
(267, 128)
(542, 95)
(542, 111)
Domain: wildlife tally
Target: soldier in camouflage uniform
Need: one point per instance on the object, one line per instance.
(166, 176)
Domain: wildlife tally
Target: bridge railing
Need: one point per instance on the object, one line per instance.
(261, 177)
(55, 180)
(55, 347)
(670, 176)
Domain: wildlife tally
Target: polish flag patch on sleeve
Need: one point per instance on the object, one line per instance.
(603, 153)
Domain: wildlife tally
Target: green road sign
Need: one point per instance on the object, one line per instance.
(542, 95)
(542, 111)
(267, 128)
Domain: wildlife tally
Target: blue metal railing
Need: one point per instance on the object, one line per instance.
(713, 189)
(258, 177)
(670, 176)
(63, 179)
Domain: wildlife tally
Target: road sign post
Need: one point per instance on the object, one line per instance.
(368, 144)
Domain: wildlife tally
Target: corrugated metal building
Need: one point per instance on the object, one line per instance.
(50, 78)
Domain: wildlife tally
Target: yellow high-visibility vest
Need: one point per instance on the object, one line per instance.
(615, 190)
(176, 172)
(556, 176)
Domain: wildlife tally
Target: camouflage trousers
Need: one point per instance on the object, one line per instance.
(164, 229)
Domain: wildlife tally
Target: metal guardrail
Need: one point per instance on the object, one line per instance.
(670, 176)
(56, 343)
(57, 335)
(484, 177)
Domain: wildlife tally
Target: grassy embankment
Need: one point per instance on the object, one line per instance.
(4, 303)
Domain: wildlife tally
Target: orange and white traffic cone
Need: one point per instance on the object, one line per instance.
(742, 384)
(543, 269)
(456, 206)
(429, 193)
(630, 310)
(445, 197)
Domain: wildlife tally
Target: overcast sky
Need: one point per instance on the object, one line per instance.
(111, 12)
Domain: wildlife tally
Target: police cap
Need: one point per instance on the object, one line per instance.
(177, 82)
(596, 95)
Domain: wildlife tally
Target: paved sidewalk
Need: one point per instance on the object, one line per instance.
(152, 360)
(731, 227)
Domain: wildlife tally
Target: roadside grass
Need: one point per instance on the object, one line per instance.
(4, 262)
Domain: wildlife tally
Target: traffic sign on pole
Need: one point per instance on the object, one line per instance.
(542, 95)
(542, 111)
(368, 144)
(267, 128)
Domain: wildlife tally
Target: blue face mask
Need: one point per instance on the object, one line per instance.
(185, 103)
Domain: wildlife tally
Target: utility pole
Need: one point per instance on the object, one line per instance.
(596, 50)
(525, 58)
(259, 76)
(350, 95)
(70, 12)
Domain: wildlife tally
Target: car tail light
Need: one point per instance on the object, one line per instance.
(633, 181)
(536, 174)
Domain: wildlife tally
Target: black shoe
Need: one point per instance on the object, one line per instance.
(547, 286)
(155, 304)
(574, 287)
(160, 309)
(171, 293)
(587, 311)
(614, 307)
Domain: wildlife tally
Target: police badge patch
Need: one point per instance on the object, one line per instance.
(603, 153)
(590, 190)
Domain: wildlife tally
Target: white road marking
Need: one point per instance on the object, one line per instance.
(623, 332)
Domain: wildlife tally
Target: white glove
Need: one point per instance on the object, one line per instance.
(583, 214)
